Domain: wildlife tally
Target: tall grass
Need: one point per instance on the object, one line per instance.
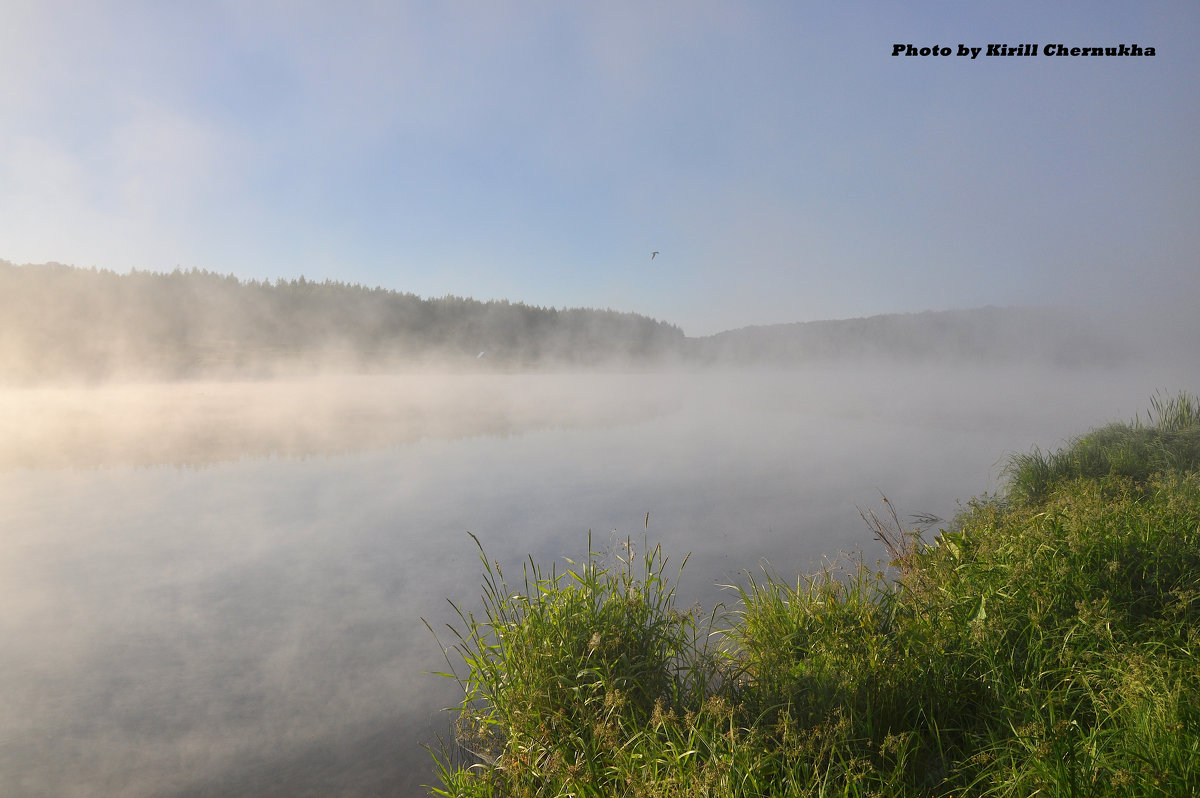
(1169, 439)
(565, 674)
(1043, 643)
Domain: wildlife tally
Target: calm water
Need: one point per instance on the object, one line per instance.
(217, 589)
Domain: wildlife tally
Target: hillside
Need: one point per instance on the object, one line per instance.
(990, 334)
(65, 323)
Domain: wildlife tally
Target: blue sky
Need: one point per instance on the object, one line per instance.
(786, 166)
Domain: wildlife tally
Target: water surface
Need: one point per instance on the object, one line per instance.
(217, 589)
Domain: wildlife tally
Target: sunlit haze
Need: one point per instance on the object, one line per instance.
(296, 298)
(783, 162)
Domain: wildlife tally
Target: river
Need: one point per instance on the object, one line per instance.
(218, 588)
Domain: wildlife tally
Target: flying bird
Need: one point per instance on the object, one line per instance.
(653, 254)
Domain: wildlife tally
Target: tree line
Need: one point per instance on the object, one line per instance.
(62, 321)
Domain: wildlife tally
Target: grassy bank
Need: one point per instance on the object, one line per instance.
(1044, 642)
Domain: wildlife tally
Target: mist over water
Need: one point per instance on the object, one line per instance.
(217, 588)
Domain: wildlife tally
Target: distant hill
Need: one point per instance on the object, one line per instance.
(60, 322)
(990, 334)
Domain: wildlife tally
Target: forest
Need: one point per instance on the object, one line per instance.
(61, 322)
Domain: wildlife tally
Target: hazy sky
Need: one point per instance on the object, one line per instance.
(786, 166)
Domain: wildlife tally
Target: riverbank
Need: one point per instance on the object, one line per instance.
(1043, 641)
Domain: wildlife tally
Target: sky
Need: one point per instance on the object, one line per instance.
(782, 162)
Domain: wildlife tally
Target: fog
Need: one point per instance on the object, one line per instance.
(60, 324)
(202, 422)
(216, 588)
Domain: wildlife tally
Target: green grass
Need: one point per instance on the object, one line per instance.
(1169, 439)
(1043, 643)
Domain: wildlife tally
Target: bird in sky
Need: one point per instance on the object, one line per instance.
(653, 254)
